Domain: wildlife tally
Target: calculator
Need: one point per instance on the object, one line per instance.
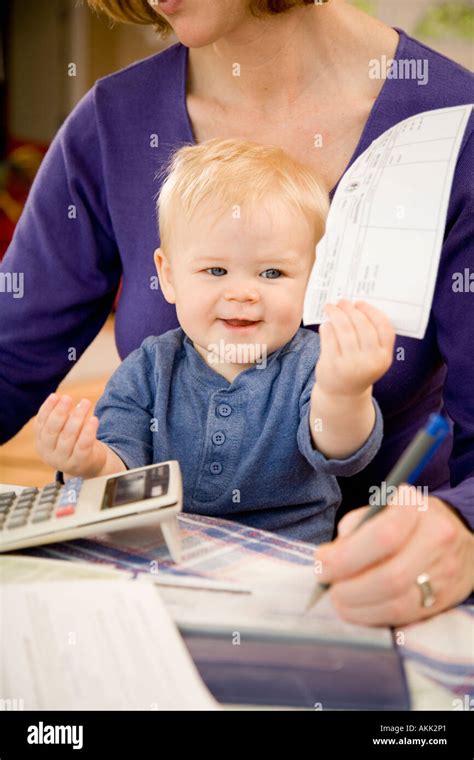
(145, 496)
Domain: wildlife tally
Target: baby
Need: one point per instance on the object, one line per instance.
(261, 414)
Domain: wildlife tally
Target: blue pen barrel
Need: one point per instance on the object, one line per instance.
(413, 461)
(419, 452)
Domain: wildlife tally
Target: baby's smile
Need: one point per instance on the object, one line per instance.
(241, 325)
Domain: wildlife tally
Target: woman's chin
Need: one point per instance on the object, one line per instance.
(194, 35)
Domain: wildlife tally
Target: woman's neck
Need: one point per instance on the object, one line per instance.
(274, 61)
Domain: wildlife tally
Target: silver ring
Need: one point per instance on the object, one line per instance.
(427, 596)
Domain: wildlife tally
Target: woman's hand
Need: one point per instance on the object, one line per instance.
(373, 571)
(66, 438)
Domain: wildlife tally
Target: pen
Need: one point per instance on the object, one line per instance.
(407, 469)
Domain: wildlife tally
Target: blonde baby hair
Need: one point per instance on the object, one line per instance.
(231, 172)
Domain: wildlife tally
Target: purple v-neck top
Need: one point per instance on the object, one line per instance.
(90, 219)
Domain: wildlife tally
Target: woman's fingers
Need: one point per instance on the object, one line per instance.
(385, 592)
(351, 520)
(401, 610)
(388, 594)
(395, 577)
(68, 437)
(375, 541)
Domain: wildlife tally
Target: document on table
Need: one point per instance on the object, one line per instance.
(94, 645)
(269, 619)
(385, 227)
(280, 574)
(277, 573)
(16, 568)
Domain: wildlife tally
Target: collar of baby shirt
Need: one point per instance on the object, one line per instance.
(203, 372)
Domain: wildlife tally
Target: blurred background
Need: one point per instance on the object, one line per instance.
(39, 39)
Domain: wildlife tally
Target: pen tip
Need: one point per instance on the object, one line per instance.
(315, 596)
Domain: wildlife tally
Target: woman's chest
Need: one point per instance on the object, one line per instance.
(322, 139)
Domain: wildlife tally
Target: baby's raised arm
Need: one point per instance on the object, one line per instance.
(356, 350)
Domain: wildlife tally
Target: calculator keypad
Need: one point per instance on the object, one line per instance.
(33, 506)
(6, 501)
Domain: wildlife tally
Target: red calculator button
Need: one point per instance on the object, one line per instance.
(65, 509)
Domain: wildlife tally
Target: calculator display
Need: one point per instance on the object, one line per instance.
(136, 486)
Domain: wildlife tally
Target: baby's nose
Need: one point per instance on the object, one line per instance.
(241, 293)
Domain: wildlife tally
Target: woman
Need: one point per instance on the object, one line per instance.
(292, 73)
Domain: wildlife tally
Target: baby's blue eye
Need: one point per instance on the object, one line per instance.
(213, 270)
(272, 275)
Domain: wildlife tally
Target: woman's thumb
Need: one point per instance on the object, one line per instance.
(350, 521)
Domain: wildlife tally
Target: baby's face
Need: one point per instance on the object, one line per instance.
(223, 268)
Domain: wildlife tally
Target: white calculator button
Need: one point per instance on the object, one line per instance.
(40, 516)
(42, 508)
(7, 498)
(17, 522)
(46, 499)
(24, 503)
(20, 511)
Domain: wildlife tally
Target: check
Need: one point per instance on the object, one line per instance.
(385, 227)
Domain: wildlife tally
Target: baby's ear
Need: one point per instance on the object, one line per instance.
(160, 261)
(164, 275)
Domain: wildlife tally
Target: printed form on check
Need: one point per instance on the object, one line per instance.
(385, 227)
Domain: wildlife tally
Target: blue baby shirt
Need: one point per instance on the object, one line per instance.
(245, 447)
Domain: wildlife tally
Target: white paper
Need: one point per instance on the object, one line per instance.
(385, 227)
(280, 593)
(94, 645)
(17, 568)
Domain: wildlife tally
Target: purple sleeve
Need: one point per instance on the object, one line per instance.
(461, 498)
(453, 312)
(64, 251)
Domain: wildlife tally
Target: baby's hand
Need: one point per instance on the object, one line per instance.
(356, 348)
(66, 439)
